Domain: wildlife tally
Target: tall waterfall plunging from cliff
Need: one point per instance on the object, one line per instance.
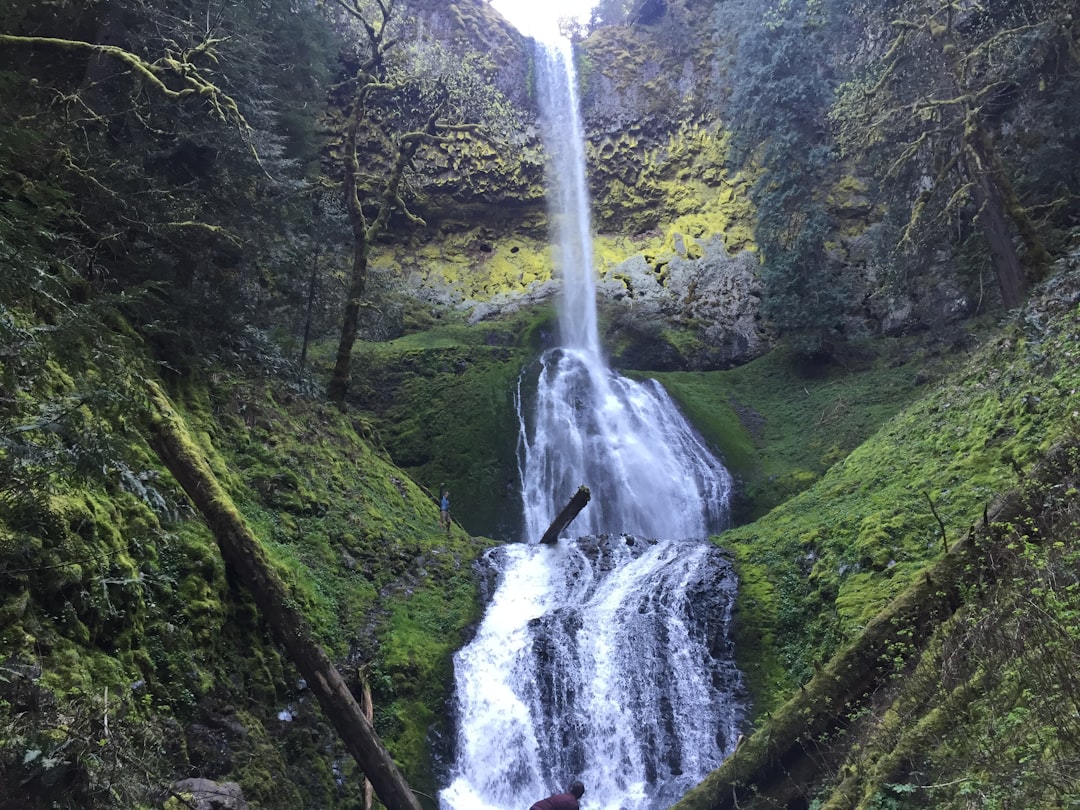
(606, 658)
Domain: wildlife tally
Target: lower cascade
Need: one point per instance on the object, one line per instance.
(606, 659)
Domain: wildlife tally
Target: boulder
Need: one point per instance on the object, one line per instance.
(206, 794)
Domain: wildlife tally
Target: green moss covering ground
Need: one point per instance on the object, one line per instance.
(118, 609)
(779, 427)
(441, 403)
(380, 582)
(818, 567)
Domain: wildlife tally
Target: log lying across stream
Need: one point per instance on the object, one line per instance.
(569, 512)
(244, 554)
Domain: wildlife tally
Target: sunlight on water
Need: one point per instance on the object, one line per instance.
(541, 19)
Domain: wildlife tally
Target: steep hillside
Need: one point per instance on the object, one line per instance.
(908, 621)
(132, 658)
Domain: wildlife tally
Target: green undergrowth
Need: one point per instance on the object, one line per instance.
(818, 567)
(961, 692)
(779, 427)
(384, 587)
(441, 403)
(130, 657)
(992, 703)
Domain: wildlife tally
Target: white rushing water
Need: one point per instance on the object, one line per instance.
(605, 658)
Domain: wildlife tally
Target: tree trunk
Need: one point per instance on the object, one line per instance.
(569, 512)
(1038, 259)
(362, 235)
(778, 764)
(312, 284)
(339, 380)
(991, 190)
(247, 559)
(368, 706)
(990, 202)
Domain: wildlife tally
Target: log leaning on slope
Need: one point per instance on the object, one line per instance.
(243, 553)
(778, 763)
(569, 512)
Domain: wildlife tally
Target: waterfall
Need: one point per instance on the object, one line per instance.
(568, 195)
(605, 658)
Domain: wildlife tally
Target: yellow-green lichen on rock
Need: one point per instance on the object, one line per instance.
(680, 183)
(472, 264)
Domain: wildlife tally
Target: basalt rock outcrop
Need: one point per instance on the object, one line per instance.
(665, 204)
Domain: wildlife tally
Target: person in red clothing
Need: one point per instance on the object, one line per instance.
(562, 801)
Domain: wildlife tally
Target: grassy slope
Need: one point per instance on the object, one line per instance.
(385, 587)
(442, 404)
(116, 605)
(779, 428)
(816, 568)
(977, 708)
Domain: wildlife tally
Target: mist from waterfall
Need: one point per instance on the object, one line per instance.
(607, 657)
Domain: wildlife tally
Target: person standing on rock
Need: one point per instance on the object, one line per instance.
(562, 801)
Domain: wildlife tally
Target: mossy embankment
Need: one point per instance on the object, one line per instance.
(829, 595)
(819, 566)
(780, 425)
(386, 589)
(130, 656)
(442, 404)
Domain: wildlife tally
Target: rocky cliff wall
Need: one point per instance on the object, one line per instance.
(658, 105)
(666, 208)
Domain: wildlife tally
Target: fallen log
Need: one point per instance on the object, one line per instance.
(777, 765)
(569, 512)
(244, 554)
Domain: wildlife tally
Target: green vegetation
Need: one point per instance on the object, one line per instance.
(816, 568)
(166, 214)
(967, 675)
(406, 93)
(377, 578)
(442, 405)
(126, 589)
(782, 89)
(780, 425)
(933, 97)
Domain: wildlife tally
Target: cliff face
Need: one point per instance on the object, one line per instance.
(680, 165)
(672, 205)
(657, 167)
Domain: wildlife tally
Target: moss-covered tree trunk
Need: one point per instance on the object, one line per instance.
(362, 234)
(991, 215)
(1038, 257)
(350, 325)
(991, 191)
(778, 765)
(246, 557)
